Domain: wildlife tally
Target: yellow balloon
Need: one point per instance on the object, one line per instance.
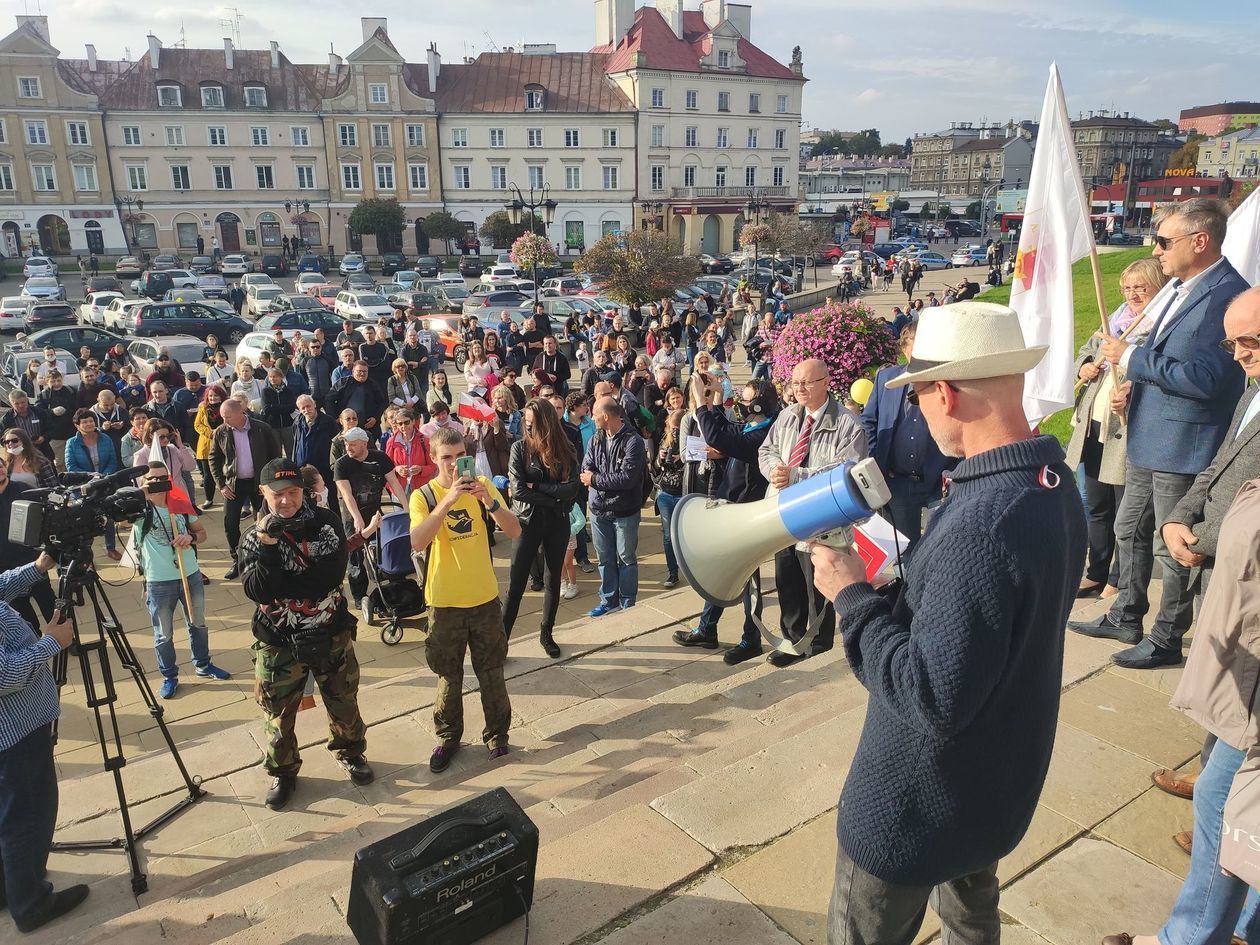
(860, 390)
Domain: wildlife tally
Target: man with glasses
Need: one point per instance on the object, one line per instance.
(1179, 395)
(318, 371)
(813, 434)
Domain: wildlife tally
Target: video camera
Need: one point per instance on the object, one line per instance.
(65, 520)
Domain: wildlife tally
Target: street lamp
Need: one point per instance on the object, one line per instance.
(652, 208)
(516, 210)
(128, 201)
(984, 204)
(754, 209)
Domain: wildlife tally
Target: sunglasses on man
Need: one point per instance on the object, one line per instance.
(1249, 342)
(1163, 242)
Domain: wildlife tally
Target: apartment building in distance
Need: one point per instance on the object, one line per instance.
(1111, 147)
(1236, 154)
(1215, 120)
(962, 160)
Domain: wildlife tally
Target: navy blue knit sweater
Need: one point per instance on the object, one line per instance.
(964, 672)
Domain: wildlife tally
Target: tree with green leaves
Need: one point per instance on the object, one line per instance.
(382, 218)
(638, 266)
(1188, 154)
(440, 225)
(499, 229)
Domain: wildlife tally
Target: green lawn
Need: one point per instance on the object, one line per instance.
(1111, 264)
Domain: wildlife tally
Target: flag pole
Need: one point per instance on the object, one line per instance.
(1098, 288)
(179, 563)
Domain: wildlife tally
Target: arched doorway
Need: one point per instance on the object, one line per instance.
(95, 237)
(12, 245)
(422, 238)
(54, 235)
(680, 230)
(711, 238)
(229, 231)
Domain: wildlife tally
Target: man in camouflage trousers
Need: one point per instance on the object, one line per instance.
(300, 636)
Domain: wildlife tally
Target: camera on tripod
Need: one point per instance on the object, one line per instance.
(66, 519)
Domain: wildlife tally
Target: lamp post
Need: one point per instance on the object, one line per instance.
(754, 209)
(541, 201)
(984, 205)
(128, 201)
(652, 208)
(301, 206)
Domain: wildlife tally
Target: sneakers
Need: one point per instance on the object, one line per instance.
(740, 652)
(696, 637)
(671, 581)
(281, 790)
(169, 685)
(210, 671)
(568, 591)
(587, 567)
(627, 604)
(359, 770)
(600, 609)
(535, 585)
(233, 572)
(498, 751)
(440, 760)
(549, 645)
(58, 904)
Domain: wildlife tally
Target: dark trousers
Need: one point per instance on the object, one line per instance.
(245, 495)
(550, 534)
(356, 571)
(28, 815)
(207, 480)
(1149, 498)
(798, 598)
(712, 613)
(1102, 500)
(866, 910)
(905, 510)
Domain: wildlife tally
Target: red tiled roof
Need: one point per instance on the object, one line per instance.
(495, 82)
(652, 36)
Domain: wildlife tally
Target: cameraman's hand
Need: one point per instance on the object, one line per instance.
(261, 530)
(60, 629)
(45, 563)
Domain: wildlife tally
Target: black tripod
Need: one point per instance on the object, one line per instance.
(78, 579)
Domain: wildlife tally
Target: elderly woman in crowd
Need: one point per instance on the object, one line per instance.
(1099, 436)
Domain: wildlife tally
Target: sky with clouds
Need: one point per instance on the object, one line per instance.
(902, 66)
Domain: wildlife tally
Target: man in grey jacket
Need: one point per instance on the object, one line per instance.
(614, 470)
(813, 434)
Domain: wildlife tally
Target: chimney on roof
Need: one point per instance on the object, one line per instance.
(613, 19)
(334, 63)
(38, 23)
(435, 66)
(229, 52)
(539, 49)
(275, 55)
(714, 12)
(672, 12)
(371, 24)
(91, 57)
(155, 50)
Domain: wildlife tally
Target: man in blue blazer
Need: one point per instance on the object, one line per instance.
(901, 444)
(1179, 394)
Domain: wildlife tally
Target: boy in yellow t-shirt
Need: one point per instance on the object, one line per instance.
(463, 596)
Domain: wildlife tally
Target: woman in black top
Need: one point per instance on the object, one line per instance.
(543, 479)
(668, 472)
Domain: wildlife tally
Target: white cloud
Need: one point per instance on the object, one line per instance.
(868, 95)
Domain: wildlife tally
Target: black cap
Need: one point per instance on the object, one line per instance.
(280, 474)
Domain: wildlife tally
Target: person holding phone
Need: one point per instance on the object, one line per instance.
(452, 536)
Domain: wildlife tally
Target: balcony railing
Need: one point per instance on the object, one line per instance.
(743, 193)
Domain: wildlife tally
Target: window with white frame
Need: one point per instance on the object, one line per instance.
(611, 176)
(777, 175)
(719, 176)
(44, 177)
(4, 134)
(610, 137)
(658, 176)
(418, 176)
(222, 176)
(752, 137)
(780, 138)
(378, 95)
(754, 102)
(658, 98)
(6, 177)
(170, 96)
(180, 178)
(300, 135)
(131, 134)
(350, 179)
(28, 87)
(415, 136)
(36, 131)
(533, 137)
(259, 137)
(217, 136)
(462, 175)
(781, 104)
(174, 136)
(212, 96)
(266, 177)
(572, 177)
(691, 136)
(689, 175)
(497, 138)
(533, 100)
(348, 135)
(255, 96)
(723, 138)
(459, 137)
(385, 176)
(658, 136)
(724, 101)
(380, 136)
(77, 132)
(536, 178)
(85, 178)
(572, 137)
(724, 59)
(305, 174)
(498, 177)
(693, 99)
(750, 176)
(137, 177)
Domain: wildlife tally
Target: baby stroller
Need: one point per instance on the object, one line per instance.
(396, 594)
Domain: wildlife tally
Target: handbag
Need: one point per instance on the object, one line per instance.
(1240, 831)
(577, 519)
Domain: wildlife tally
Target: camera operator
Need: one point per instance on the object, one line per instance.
(297, 546)
(13, 555)
(28, 776)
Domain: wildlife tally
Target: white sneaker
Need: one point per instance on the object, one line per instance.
(569, 591)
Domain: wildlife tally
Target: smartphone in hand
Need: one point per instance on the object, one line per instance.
(466, 467)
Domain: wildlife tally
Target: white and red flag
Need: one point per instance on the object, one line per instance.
(474, 408)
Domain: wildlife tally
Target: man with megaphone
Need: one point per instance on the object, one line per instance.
(964, 668)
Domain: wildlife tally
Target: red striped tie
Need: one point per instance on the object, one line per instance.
(801, 449)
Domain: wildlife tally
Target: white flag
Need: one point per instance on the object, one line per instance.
(1242, 239)
(1056, 233)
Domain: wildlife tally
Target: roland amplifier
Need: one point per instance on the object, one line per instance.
(448, 880)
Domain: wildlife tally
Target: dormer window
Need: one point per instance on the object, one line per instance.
(212, 96)
(533, 100)
(170, 96)
(724, 59)
(255, 96)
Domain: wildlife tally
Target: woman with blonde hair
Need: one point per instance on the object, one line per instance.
(1099, 437)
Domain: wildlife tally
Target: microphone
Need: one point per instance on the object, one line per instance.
(123, 477)
(76, 478)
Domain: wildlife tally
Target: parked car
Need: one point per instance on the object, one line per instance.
(568, 285)
(92, 311)
(480, 303)
(275, 265)
(470, 266)
(429, 266)
(43, 287)
(969, 256)
(450, 297)
(182, 278)
(361, 304)
(504, 259)
(115, 316)
(200, 265)
(256, 278)
(933, 261)
(39, 266)
(392, 262)
(41, 314)
(716, 264)
(185, 351)
(305, 319)
(238, 264)
(196, 295)
(258, 299)
(294, 303)
(256, 342)
(153, 284)
(452, 279)
(352, 262)
(104, 284)
(403, 279)
(212, 285)
(499, 274)
(307, 281)
(185, 318)
(1125, 239)
(15, 364)
(12, 313)
(129, 267)
(326, 295)
(310, 262)
(165, 261)
(71, 338)
(884, 250)
(426, 302)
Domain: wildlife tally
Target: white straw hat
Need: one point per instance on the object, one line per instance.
(967, 341)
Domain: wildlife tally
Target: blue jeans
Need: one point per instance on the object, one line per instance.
(617, 544)
(162, 598)
(1212, 905)
(28, 814)
(761, 371)
(665, 504)
(712, 613)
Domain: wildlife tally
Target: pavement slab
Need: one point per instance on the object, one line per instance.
(1089, 778)
(1132, 716)
(1146, 827)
